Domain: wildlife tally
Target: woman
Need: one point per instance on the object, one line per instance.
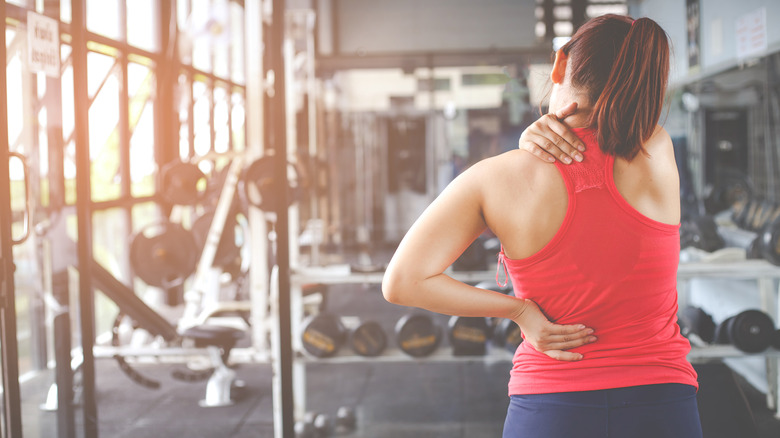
(594, 243)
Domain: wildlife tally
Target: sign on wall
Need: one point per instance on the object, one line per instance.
(43, 43)
(751, 34)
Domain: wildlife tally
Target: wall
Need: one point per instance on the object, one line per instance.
(718, 32)
(381, 26)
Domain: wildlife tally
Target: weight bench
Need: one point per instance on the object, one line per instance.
(218, 340)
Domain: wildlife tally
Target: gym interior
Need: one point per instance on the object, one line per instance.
(199, 198)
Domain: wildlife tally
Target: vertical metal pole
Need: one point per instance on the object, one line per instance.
(314, 163)
(283, 354)
(9, 353)
(255, 90)
(61, 328)
(84, 213)
(63, 377)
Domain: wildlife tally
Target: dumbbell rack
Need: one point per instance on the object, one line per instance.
(765, 274)
(341, 274)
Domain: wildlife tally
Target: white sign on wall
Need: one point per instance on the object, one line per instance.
(43, 43)
(751, 34)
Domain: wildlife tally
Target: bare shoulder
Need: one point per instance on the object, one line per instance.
(660, 144)
(511, 165)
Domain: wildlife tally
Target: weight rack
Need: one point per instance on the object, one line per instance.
(764, 273)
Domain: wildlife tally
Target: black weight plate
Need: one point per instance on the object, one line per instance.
(258, 185)
(770, 242)
(182, 183)
(695, 320)
(417, 335)
(721, 335)
(732, 188)
(368, 339)
(468, 336)
(228, 251)
(751, 331)
(322, 335)
(163, 254)
(508, 335)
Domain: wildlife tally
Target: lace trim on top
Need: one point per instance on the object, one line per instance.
(590, 173)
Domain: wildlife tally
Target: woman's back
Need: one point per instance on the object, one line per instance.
(525, 200)
(602, 262)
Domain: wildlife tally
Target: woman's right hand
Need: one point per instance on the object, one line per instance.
(551, 140)
(550, 338)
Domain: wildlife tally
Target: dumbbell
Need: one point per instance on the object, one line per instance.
(417, 334)
(700, 232)
(507, 334)
(694, 320)
(469, 335)
(368, 339)
(750, 331)
(324, 334)
(729, 190)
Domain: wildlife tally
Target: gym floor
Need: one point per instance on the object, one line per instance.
(414, 398)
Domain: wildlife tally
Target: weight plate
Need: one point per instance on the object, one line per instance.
(695, 320)
(182, 183)
(468, 336)
(508, 335)
(751, 331)
(721, 335)
(732, 187)
(229, 250)
(163, 254)
(417, 335)
(368, 339)
(323, 335)
(259, 188)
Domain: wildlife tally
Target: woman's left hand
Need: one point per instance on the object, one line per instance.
(550, 338)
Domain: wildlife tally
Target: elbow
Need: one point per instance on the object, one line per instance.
(393, 289)
(390, 290)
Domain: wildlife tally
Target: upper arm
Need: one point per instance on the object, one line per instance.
(440, 235)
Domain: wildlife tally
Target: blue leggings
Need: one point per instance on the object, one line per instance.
(649, 411)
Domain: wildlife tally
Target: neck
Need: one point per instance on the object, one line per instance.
(564, 95)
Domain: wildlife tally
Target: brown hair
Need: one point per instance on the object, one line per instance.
(624, 66)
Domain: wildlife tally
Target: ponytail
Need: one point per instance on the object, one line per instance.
(627, 81)
(628, 109)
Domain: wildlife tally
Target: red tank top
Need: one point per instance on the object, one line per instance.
(613, 269)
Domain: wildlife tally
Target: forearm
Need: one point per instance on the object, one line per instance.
(443, 294)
